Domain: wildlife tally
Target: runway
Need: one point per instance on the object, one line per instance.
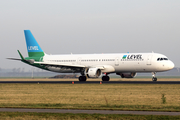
(87, 111)
(94, 82)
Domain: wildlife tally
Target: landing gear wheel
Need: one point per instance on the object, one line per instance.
(82, 78)
(105, 78)
(154, 76)
(154, 79)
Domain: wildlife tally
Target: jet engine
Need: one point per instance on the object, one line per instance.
(127, 75)
(93, 72)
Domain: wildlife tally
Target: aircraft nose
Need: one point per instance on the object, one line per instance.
(171, 65)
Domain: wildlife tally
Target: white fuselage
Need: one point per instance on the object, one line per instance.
(113, 63)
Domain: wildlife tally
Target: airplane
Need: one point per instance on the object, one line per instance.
(126, 65)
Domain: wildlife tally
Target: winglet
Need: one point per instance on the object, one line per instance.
(21, 55)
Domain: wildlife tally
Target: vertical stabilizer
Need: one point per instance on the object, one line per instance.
(33, 48)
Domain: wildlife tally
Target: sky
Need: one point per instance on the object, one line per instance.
(90, 26)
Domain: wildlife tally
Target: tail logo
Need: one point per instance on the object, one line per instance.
(33, 48)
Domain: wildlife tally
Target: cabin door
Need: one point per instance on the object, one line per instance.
(149, 59)
(117, 61)
(79, 61)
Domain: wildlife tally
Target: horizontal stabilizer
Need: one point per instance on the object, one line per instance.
(22, 58)
(13, 59)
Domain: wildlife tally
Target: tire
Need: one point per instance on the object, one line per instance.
(154, 79)
(82, 78)
(105, 78)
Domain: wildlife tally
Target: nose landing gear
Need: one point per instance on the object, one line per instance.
(154, 76)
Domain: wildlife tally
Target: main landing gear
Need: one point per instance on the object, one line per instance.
(154, 76)
(82, 78)
(105, 78)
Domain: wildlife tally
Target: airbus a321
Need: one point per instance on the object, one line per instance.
(125, 65)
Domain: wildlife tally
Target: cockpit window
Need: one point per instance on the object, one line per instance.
(160, 59)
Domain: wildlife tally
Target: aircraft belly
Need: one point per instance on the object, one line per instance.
(135, 67)
(108, 69)
(126, 67)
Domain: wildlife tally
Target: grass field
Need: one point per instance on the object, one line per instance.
(91, 96)
(57, 116)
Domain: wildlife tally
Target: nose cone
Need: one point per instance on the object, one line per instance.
(171, 65)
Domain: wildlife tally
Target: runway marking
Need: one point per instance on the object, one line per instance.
(87, 111)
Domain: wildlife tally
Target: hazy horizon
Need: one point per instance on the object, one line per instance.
(91, 26)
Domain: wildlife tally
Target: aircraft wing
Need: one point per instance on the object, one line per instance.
(102, 67)
(60, 65)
